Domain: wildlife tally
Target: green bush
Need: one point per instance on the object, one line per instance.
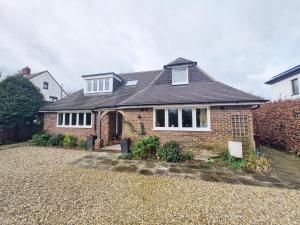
(189, 155)
(70, 141)
(170, 152)
(82, 144)
(56, 140)
(146, 148)
(41, 139)
(235, 163)
(125, 156)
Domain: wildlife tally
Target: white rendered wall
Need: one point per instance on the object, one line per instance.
(53, 88)
(283, 89)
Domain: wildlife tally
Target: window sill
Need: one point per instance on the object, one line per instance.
(181, 129)
(74, 126)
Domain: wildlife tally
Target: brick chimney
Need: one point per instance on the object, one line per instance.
(25, 71)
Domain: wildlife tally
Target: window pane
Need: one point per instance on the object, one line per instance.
(60, 118)
(74, 119)
(106, 84)
(101, 85)
(80, 122)
(160, 118)
(187, 118)
(95, 84)
(180, 75)
(201, 117)
(89, 86)
(88, 119)
(67, 118)
(295, 87)
(173, 117)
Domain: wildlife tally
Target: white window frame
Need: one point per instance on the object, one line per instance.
(77, 119)
(187, 75)
(180, 128)
(105, 89)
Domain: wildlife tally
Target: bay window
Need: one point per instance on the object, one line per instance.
(74, 119)
(182, 118)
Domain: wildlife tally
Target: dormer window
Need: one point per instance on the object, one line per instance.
(98, 85)
(180, 76)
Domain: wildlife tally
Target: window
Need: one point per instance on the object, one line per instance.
(188, 119)
(173, 117)
(106, 86)
(45, 85)
(81, 118)
(74, 119)
(179, 76)
(295, 87)
(60, 119)
(98, 85)
(89, 86)
(160, 118)
(201, 117)
(131, 82)
(88, 120)
(67, 119)
(53, 99)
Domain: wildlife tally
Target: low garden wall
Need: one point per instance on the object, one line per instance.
(278, 124)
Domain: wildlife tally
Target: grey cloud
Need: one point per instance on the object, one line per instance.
(242, 43)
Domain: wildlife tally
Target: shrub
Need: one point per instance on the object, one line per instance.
(227, 159)
(56, 140)
(82, 144)
(189, 155)
(41, 139)
(70, 141)
(125, 156)
(146, 148)
(259, 165)
(170, 152)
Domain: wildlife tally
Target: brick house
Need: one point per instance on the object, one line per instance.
(179, 102)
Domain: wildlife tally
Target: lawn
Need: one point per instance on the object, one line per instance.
(40, 186)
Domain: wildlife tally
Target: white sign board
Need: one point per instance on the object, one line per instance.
(235, 149)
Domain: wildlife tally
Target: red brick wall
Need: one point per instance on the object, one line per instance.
(108, 127)
(278, 124)
(50, 126)
(221, 127)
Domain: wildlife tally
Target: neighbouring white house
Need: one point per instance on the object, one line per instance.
(285, 85)
(49, 87)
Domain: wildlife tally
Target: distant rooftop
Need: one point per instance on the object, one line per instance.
(284, 75)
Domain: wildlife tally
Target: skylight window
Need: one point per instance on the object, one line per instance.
(131, 82)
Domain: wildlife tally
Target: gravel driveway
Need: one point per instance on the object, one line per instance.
(40, 186)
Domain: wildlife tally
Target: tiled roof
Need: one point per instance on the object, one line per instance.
(180, 61)
(284, 75)
(155, 88)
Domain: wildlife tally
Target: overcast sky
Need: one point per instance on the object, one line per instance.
(241, 43)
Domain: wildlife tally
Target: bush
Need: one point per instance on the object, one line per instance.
(259, 165)
(227, 159)
(125, 156)
(189, 155)
(70, 141)
(146, 148)
(41, 139)
(56, 140)
(170, 152)
(82, 144)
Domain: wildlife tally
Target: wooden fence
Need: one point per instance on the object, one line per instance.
(8, 135)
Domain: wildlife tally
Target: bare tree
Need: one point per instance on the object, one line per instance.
(3, 70)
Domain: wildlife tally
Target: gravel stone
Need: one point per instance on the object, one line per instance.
(42, 186)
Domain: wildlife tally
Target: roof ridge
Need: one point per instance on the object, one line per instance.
(143, 71)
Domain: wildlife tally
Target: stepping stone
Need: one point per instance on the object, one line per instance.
(174, 170)
(207, 177)
(189, 171)
(146, 172)
(161, 171)
(125, 168)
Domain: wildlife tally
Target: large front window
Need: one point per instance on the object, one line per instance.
(74, 119)
(98, 85)
(181, 118)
